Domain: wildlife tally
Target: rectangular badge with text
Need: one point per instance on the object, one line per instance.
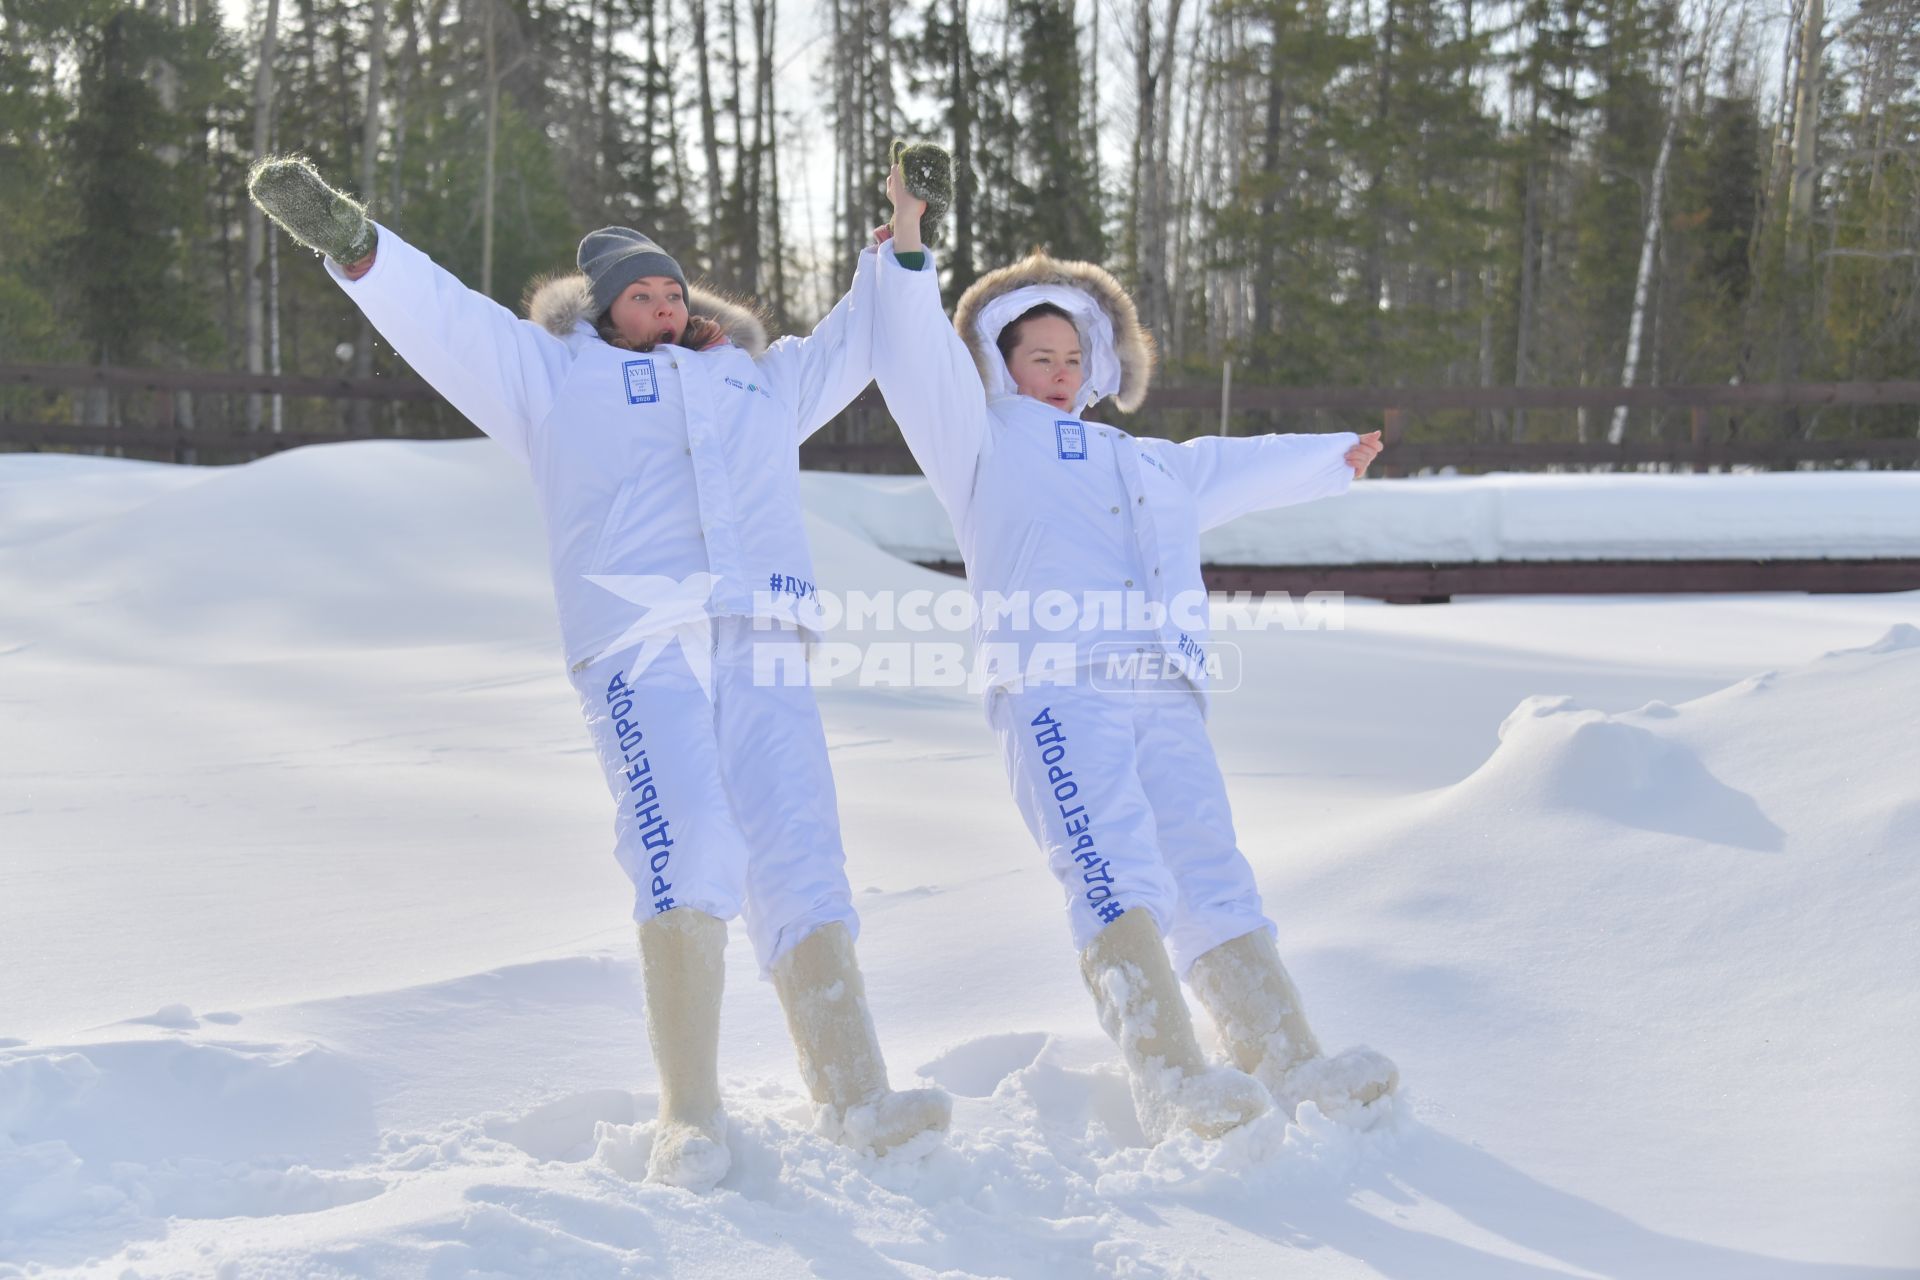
(642, 388)
(1072, 439)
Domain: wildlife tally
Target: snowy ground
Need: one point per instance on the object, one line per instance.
(313, 961)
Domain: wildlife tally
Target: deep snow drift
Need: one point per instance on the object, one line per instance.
(315, 960)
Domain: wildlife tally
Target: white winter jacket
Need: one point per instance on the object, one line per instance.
(1044, 501)
(672, 463)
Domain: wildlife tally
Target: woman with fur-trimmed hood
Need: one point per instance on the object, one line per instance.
(662, 431)
(1100, 712)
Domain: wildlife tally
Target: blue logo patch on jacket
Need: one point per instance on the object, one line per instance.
(1071, 437)
(748, 386)
(642, 386)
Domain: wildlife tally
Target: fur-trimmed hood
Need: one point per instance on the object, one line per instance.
(1118, 354)
(560, 303)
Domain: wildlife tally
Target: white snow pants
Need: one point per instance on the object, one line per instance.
(724, 803)
(1120, 788)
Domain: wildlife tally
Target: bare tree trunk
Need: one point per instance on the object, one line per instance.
(744, 213)
(676, 153)
(1801, 185)
(256, 221)
(361, 414)
(1149, 159)
(961, 89)
(1264, 286)
(1193, 141)
(709, 132)
(609, 127)
(1529, 286)
(1093, 82)
(1376, 261)
(493, 148)
(1643, 278)
(766, 166)
(1163, 171)
(1806, 132)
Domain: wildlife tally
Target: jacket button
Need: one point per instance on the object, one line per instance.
(1141, 499)
(1156, 571)
(1116, 511)
(688, 451)
(1129, 581)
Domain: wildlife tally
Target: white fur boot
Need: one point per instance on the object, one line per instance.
(682, 960)
(826, 1002)
(1140, 1006)
(1257, 1008)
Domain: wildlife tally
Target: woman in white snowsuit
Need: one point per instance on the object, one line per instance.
(1117, 783)
(668, 477)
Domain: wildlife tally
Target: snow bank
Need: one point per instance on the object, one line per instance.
(1788, 515)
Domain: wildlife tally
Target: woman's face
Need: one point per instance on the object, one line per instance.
(650, 311)
(1045, 362)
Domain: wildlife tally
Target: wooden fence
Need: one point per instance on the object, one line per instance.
(163, 415)
(159, 410)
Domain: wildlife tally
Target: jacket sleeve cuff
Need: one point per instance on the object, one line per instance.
(383, 252)
(913, 263)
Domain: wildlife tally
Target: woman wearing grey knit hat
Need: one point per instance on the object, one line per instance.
(1106, 747)
(662, 431)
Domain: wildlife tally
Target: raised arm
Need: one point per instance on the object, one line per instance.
(925, 371)
(819, 374)
(1232, 475)
(495, 368)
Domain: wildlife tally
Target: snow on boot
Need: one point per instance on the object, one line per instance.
(1140, 1006)
(682, 961)
(1257, 1008)
(826, 1002)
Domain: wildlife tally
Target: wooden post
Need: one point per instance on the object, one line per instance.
(1389, 437)
(1226, 392)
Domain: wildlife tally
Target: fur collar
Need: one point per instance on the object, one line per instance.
(1133, 345)
(558, 303)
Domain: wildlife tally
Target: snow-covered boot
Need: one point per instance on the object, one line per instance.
(826, 1002)
(1140, 1006)
(682, 960)
(1257, 1008)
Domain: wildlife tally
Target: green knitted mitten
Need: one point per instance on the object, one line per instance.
(298, 199)
(928, 169)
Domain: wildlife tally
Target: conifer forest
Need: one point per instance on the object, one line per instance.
(1366, 193)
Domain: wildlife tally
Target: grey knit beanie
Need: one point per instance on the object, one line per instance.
(614, 257)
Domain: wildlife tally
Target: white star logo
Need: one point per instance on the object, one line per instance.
(671, 609)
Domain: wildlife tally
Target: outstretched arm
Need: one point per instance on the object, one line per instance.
(1232, 475)
(498, 370)
(925, 371)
